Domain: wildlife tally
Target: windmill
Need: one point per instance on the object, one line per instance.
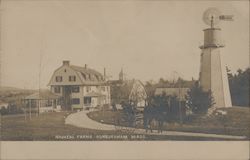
(213, 74)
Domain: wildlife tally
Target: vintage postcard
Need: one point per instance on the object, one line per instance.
(124, 71)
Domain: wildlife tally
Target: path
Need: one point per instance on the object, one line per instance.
(80, 119)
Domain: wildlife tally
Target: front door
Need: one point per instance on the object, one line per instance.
(87, 101)
(66, 99)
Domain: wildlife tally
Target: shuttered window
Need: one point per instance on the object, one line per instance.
(58, 78)
(72, 78)
(75, 89)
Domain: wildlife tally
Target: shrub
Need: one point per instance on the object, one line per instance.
(198, 100)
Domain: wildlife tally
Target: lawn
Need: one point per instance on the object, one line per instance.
(236, 122)
(51, 127)
(46, 126)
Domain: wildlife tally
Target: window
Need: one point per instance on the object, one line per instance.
(57, 89)
(49, 103)
(75, 101)
(75, 89)
(87, 101)
(58, 78)
(84, 76)
(72, 78)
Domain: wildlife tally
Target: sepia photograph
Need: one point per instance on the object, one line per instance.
(119, 71)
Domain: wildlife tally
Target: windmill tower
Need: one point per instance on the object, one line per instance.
(213, 74)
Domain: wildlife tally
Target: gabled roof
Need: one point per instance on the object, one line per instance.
(121, 91)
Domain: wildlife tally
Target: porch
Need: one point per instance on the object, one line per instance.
(93, 100)
(43, 101)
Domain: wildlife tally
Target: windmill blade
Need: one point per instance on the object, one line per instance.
(226, 17)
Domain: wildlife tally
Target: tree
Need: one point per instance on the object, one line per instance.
(169, 104)
(150, 89)
(198, 100)
(239, 87)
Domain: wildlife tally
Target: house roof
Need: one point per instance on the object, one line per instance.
(45, 94)
(121, 91)
(179, 92)
(2, 102)
(123, 87)
(88, 75)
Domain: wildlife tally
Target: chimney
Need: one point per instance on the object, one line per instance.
(104, 73)
(86, 66)
(66, 63)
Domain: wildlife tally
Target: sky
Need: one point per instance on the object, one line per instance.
(148, 39)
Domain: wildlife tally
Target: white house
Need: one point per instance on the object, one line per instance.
(79, 87)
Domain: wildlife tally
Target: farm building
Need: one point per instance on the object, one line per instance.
(131, 91)
(79, 87)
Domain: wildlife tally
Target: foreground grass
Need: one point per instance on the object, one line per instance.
(236, 122)
(51, 126)
(48, 126)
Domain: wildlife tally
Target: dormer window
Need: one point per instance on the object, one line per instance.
(58, 78)
(83, 76)
(72, 78)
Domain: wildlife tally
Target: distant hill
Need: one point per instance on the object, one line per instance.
(4, 89)
(10, 94)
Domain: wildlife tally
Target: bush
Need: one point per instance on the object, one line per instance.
(3, 111)
(198, 100)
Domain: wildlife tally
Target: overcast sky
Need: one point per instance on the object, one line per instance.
(149, 39)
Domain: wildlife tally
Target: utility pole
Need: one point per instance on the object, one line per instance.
(30, 108)
(179, 81)
(180, 110)
(25, 110)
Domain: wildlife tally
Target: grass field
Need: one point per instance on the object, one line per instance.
(236, 122)
(50, 126)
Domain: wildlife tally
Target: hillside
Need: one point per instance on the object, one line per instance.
(10, 94)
